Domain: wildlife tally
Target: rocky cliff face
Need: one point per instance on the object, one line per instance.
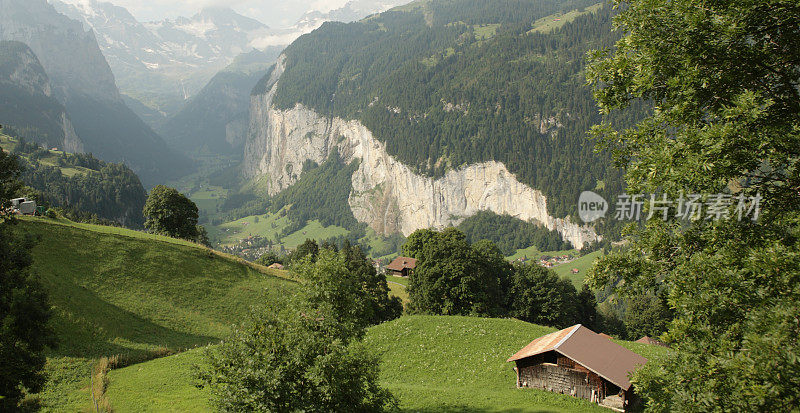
(83, 84)
(27, 100)
(387, 195)
(68, 53)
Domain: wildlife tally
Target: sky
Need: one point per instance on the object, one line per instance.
(274, 13)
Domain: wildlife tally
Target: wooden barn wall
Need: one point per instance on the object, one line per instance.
(564, 377)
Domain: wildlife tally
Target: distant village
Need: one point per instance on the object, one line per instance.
(254, 247)
(548, 261)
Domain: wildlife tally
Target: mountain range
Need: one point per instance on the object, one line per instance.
(27, 103)
(215, 120)
(162, 64)
(82, 81)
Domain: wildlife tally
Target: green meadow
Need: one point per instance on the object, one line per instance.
(120, 292)
(159, 302)
(431, 363)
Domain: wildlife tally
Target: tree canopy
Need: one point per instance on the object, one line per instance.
(171, 213)
(305, 354)
(24, 308)
(723, 78)
(454, 277)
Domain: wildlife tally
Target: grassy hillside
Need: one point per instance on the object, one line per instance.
(121, 292)
(164, 385)
(564, 270)
(431, 363)
(555, 21)
(582, 264)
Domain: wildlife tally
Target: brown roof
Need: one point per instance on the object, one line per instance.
(399, 263)
(602, 356)
(652, 341)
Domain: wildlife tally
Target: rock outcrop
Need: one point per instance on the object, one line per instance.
(27, 102)
(387, 195)
(83, 84)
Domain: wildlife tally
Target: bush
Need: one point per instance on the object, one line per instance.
(304, 354)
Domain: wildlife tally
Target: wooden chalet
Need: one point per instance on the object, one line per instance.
(401, 266)
(579, 362)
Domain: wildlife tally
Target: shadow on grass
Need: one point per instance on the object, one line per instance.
(87, 326)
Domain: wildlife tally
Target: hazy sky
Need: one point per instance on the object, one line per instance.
(273, 13)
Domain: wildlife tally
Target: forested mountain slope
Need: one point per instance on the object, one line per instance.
(451, 108)
(450, 83)
(83, 186)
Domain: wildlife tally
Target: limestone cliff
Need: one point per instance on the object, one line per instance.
(387, 195)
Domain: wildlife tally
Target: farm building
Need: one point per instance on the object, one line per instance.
(579, 362)
(16, 201)
(23, 206)
(651, 341)
(401, 266)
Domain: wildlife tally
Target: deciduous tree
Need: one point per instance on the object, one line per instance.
(723, 80)
(24, 309)
(171, 213)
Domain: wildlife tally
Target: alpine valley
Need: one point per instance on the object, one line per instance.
(442, 109)
(399, 206)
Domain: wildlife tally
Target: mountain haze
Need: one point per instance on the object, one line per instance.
(164, 63)
(27, 103)
(214, 122)
(83, 82)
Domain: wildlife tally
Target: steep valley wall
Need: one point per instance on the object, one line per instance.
(387, 195)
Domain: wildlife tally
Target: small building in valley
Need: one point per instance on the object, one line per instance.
(651, 341)
(401, 266)
(579, 362)
(23, 206)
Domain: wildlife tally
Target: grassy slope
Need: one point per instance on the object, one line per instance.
(549, 23)
(397, 287)
(116, 291)
(164, 385)
(8, 144)
(564, 270)
(270, 226)
(534, 253)
(582, 264)
(430, 363)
